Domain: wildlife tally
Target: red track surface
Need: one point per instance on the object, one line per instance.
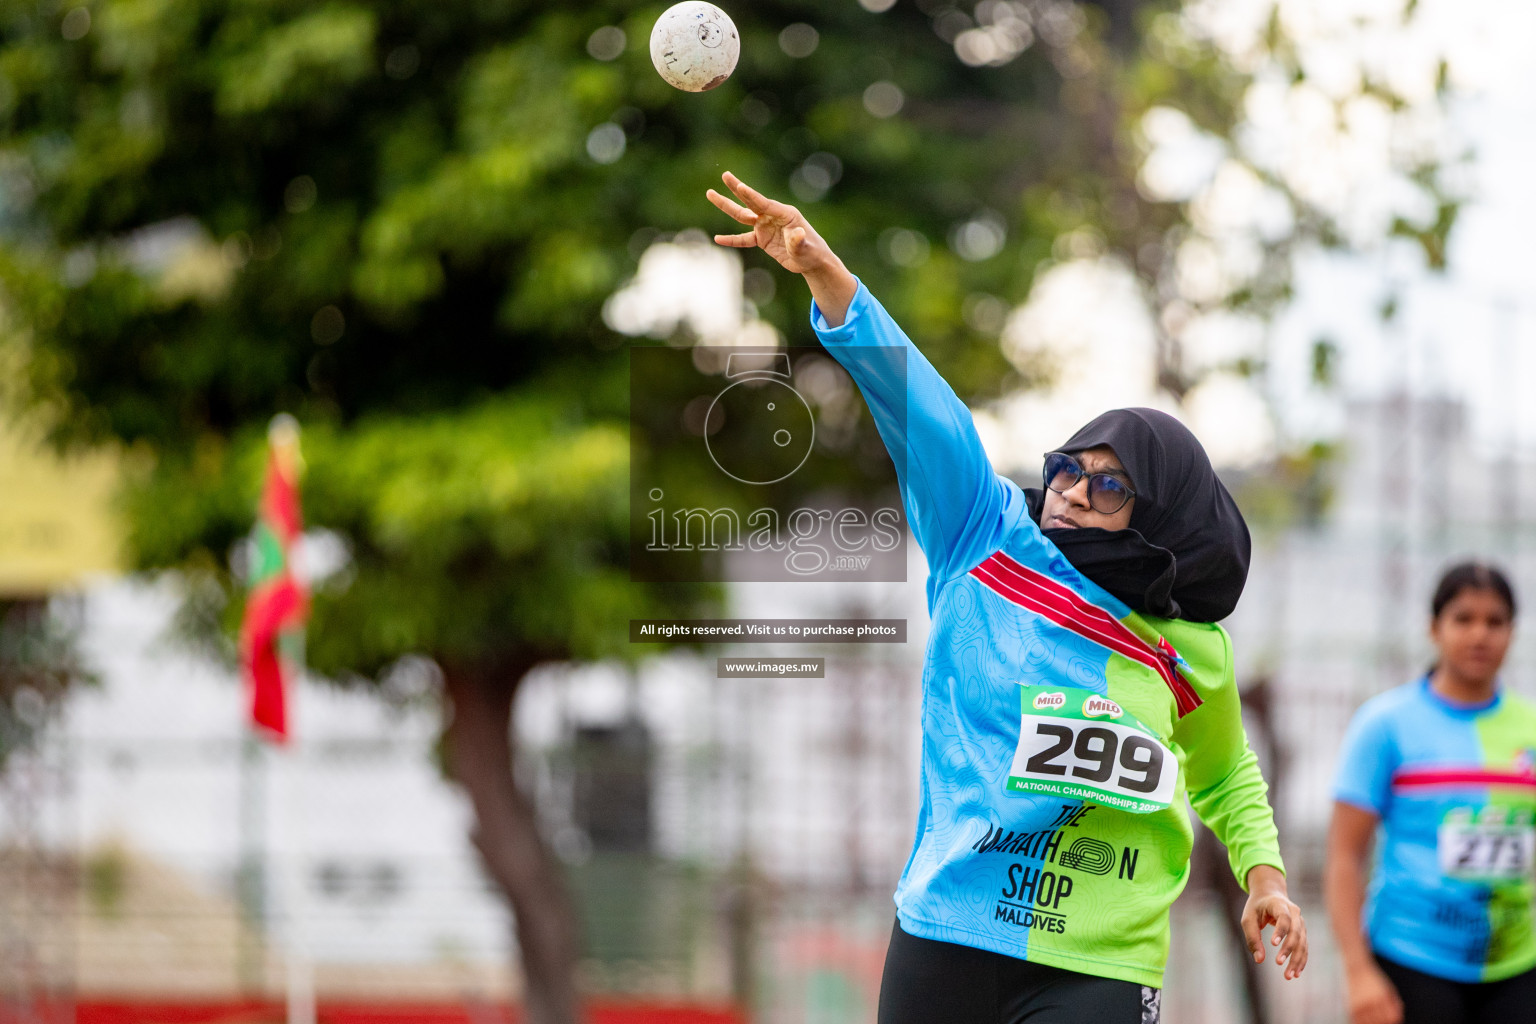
(136, 1012)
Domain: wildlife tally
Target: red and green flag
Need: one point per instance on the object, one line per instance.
(272, 634)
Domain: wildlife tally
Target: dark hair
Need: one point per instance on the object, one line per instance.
(1471, 576)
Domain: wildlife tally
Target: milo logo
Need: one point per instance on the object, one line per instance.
(1050, 701)
(1101, 707)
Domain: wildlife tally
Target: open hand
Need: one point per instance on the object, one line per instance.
(1268, 905)
(782, 232)
(778, 229)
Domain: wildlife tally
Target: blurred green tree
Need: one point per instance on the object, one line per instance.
(40, 661)
(399, 221)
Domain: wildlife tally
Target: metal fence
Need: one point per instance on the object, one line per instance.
(727, 840)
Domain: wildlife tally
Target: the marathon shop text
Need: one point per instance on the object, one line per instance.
(1033, 896)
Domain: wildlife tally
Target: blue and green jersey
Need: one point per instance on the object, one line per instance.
(1455, 789)
(1063, 734)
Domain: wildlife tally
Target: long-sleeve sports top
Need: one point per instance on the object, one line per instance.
(1062, 732)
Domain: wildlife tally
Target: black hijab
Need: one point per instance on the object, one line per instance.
(1185, 555)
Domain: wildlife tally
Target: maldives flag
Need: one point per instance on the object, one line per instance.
(272, 635)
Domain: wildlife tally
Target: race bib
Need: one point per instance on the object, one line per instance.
(1081, 745)
(1490, 845)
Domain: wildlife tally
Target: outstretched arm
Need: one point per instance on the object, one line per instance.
(958, 506)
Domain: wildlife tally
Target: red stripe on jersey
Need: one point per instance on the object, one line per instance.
(1421, 778)
(1057, 602)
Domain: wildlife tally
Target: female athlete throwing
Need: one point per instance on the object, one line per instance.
(1076, 690)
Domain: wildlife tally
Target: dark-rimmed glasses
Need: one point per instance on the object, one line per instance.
(1107, 494)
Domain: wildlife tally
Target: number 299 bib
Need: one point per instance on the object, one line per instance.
(1081, 745)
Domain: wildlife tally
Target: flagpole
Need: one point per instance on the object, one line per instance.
(252, 870)
(284, 438)
(272, 652)
(301, 971)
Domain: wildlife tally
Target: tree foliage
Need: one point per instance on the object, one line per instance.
(387, 219)
(399, 221)
(40, 661)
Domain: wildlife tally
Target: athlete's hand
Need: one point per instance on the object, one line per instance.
(782, 232)
(778, 229)
(1269, 904)
(1372, 998)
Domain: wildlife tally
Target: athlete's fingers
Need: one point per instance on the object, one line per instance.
(744, 192)
(1294, 952)
(754, 200)
(794, 240)
(1251, 932)
(1291, 929)
(1301, 949)
(1297, 965)
(744, 241)
(733, 210)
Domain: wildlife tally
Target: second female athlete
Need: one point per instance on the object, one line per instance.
(1440, 774)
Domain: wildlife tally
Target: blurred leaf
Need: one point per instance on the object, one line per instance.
(1325, 360)
(261, 67)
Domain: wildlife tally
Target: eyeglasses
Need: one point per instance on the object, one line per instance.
(1106, 494)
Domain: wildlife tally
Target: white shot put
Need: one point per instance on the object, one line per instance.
(695, 46)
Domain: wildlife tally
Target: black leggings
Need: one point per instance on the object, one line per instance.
(1431, 1000)
(928, 982)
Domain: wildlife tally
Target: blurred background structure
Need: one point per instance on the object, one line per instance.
(430, 230)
